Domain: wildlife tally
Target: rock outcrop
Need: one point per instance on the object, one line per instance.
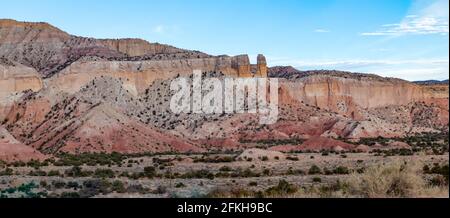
(261, 66)
(348, 95)
(139, 47)
(17, 78)
(138, 75)
(14, 79)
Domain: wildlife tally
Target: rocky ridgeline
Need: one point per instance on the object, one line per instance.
(50, 50)
(289, 72)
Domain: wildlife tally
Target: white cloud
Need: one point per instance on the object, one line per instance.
(357, 63)
(159, 29)
(165, 29)
(415, 74)
(415, 69)
(321, 31)
(432, 19)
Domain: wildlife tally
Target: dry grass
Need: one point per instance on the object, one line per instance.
(393, 180)
(396, 180)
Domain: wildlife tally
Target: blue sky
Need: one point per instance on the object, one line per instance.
(398, 38)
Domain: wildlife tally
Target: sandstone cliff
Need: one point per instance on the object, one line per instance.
(138, 75)
(347, 93)
(14, 79)
(139, 47)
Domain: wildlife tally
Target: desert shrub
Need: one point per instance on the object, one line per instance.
(282, 189)
(7, 172)
(77, 171)
(266, 172)
(37, 173)
(225, 169)
(426, 169)
(230, 193)
(290, 171)
(336, 189)
(394, 180)
(26, 190)
(216, 159)
(53, 173)
(19, 164)
(360, 170)
(394, 152)
(90, 159)
(341, 170)
(149, 171)
(132, 175)
(180, 185)
(253, 184)
(438, 180)
(317, 179)
(439, 170)
(136, 188)
(43, 184)
(244, 173)
(314, 170)
(58, 184)
(36, 164)
(69, 195)
(95, 187)
(292, 158)
(104, 173)
(162, 161)
(118, 186)
(160, 190)
(264, 158)
(327, 171)
(73, 185)
(199, 174)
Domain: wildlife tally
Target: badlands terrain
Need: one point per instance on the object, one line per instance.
(85, 117)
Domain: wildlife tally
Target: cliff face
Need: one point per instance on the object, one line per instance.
(14, 32)
(138, 75)
(138, 47)
(261, 66)
(14, 79)
(17, 78)
(349, 96)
